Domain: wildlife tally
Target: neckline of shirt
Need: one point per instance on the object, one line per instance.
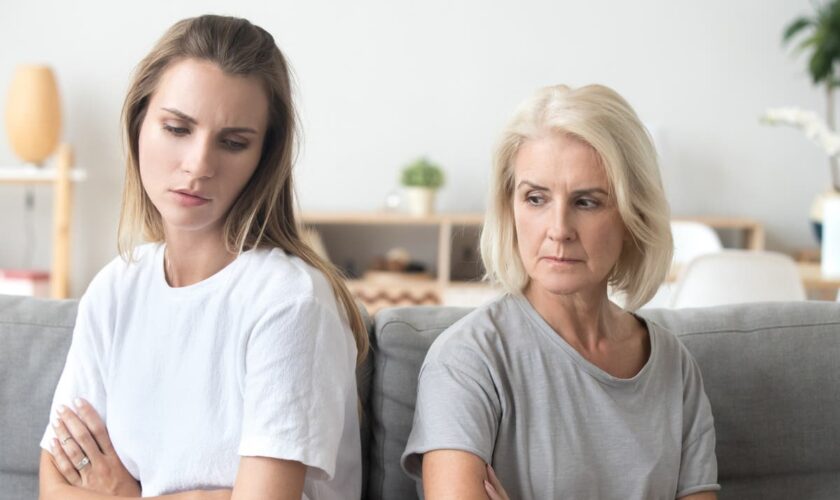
(220, 278)
(545, 329)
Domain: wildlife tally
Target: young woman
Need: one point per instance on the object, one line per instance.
(564, 393)
(218, 360)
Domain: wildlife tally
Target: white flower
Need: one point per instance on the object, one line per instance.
(810, 123)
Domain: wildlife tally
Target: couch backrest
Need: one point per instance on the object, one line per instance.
(771, 371)
(400, 340)
(34, 339)
(772, 374)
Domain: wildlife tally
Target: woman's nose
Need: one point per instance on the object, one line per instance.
(200, 161)
(562, 226)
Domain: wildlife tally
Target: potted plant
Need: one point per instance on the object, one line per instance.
(421, 180)
(821, 41)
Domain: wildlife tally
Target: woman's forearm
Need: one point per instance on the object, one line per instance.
(53, 486)
(68, 492)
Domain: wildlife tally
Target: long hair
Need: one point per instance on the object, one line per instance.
(600, 117)
(263, 215)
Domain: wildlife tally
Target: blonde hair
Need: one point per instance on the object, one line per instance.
(263, 215)
(598, 116)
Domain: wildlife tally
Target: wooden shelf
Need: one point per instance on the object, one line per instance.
(36, 175)
(390, 218)
(61, 178)
(822, 287)
(407, 289)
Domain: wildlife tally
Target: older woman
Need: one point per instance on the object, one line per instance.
(564, 393)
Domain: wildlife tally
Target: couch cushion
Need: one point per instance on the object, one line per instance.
(401, 338)
(364, 375)
(772, 374)
(34, 339)
(771, 371)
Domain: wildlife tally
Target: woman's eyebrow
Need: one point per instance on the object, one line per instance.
(531, 185)
(181, 115)
(596, 190)
(190, 119)
(576, 192)
(238, 130)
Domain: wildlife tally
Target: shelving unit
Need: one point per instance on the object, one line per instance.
(61, 177)
(387, 230)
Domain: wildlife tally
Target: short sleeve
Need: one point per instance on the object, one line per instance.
(84, 370)
(299, 374)
(458, 408)
(698, 465)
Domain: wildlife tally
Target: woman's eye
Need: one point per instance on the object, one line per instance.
(178, 131)
(534, 199)
(234, 145)
(587, 203)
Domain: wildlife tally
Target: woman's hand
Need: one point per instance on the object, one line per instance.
(493, 486)
(84, 455)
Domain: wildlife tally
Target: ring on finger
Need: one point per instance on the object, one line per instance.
(84, 462)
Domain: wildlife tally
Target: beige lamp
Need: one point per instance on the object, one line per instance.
(33, 113)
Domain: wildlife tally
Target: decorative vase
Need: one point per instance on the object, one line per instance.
(817, 211)
(33, 113)
(830, 254)
(421, 200)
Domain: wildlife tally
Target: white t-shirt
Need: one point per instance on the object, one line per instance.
(256, 360)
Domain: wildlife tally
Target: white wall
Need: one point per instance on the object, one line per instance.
(381, 82)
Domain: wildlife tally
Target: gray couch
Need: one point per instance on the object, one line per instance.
(772, 373)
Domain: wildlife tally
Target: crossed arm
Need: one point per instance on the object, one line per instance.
(104, 477)
(454, 474)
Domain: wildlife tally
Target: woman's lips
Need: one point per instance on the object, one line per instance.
(562, 260)
(188, 199)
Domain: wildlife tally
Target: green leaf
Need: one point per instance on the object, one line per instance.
(820, 65)
(795, 27)
(807, 42)
(821, 42)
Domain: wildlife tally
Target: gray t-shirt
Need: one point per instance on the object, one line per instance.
(501, 384)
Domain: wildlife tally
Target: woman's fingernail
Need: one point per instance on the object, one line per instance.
(77, 402)
(62, 409)
(55, 423)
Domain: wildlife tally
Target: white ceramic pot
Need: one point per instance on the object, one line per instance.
(817, 209)
(421, 201)
(831, 237)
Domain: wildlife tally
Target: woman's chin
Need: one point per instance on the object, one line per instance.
(188, 224)
(567, 288)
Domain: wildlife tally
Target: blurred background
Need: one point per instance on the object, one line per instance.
(380, 83)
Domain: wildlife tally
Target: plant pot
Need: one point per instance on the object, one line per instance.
(421, 201)
(830, 255)
(817, 210)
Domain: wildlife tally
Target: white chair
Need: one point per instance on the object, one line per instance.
(691, 239)
(737, 276)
